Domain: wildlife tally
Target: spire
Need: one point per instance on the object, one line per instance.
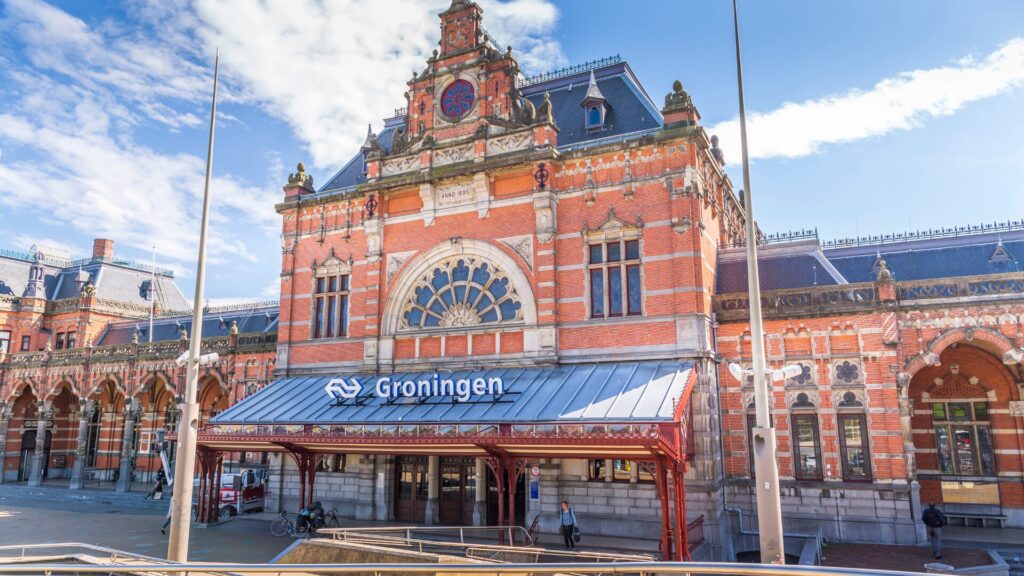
(370, 141)
(593, 92)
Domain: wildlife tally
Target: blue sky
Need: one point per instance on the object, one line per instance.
(866, 117)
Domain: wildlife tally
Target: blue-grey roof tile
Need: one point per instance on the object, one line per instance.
(612, 392)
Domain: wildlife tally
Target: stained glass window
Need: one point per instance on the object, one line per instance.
(461, 292)
(457, 99)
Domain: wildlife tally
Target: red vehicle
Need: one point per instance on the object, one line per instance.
(241, 493)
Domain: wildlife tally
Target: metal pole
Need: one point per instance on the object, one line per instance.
(766, 469)
(181, 515)
(152, 292)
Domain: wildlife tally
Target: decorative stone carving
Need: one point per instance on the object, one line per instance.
(677, 99)
(510, 142)
(906, 407)
(374, 231)
(802, 398)
(681, 226)
(453, 154)
(300, 178)
(454, 194)
(807, 377)
(332, 266)
(845, 373)
(849, 398)
(545, 114)
(521, 245)
(544, 208)
(395, 262)
(1017, 408)
(402, 164)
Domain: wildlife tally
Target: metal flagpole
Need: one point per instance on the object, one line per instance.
(766, 469)
(152, 292)
(184, 470)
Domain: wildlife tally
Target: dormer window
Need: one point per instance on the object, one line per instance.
(595, 106)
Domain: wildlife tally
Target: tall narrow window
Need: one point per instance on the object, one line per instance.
(806, 447)
(615, 286)
(330, 305)
(853, 443)
(5, 341)
(71, 339)
(26, 343)
(60, 341)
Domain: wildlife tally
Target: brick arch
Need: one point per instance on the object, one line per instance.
(423, 262)
(152, 379)
(980, 337)
(67, 382)
(993, 375)
(18, 389)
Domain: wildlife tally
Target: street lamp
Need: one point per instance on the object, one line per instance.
(766, 469)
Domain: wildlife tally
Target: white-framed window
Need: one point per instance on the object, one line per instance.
(5, 341)
(613, 274)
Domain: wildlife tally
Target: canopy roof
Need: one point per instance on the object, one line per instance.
(624, 410)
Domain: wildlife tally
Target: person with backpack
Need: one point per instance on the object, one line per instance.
(567, 520)
(934, 519)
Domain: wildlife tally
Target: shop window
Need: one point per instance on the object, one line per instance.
(963, 438)
(614, 273)
(60, 341)
(332, 463)
(853, 445)
(5, 341)
(597, 470)
(622, 471)
(806, 447)
(26, 343)
(330, 306)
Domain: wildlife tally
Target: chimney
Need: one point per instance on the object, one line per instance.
(102, 249)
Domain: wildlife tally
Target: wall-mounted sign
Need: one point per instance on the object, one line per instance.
(388, 387)
(534, 490)
(535, 471)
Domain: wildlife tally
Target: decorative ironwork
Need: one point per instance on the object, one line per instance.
(541, 175)
(371, 205)
(571, 70)
(780, 237)
(402, 112)
(461, 291)
(955, 231)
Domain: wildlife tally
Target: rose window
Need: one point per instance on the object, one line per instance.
(457, 99)
(847, 372)
(462, 291)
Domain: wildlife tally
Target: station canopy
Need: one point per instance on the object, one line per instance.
(629, 410)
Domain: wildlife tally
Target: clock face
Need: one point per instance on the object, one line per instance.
(457, 99)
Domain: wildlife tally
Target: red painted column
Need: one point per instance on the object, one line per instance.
(216, 459)
(513, 476)
(679, 487)
(661, 483)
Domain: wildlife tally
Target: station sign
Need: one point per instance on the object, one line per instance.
(390, 387)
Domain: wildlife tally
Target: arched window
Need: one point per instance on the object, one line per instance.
(963, 438)
(462, 291)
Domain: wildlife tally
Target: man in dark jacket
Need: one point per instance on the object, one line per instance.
(934, 519)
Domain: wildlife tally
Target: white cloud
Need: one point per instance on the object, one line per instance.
(329, 68)
(901, 102)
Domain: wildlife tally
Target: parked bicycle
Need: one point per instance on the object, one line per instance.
(284, 525)
(330, 519)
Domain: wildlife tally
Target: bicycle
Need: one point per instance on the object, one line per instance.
(330, 519)
(283, 525)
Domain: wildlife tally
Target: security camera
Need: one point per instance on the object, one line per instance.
(787, 372)
(204, 360)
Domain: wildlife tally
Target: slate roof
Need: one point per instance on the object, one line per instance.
(805, 263)
(612, 392)
(111, 280)
(629, 110)
(352, 173)
(932, 258)
(256, 320)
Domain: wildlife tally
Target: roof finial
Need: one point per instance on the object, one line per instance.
(593, 92)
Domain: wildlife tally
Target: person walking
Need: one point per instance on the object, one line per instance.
(567, 519)
(934, 519)
(159, 486)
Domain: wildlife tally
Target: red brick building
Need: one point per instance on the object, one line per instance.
(566, 234)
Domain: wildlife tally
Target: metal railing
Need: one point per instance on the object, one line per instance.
(726, 568)
(464, 534)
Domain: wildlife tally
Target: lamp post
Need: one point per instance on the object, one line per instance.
(184, 470)
(766, 469)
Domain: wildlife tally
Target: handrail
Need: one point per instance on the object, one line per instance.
(385, 532)
(727, 568)
(114, 553)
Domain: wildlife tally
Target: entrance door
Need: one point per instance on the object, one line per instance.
(492, 499)
(28, 449)
(411, 488)
(458, 491)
